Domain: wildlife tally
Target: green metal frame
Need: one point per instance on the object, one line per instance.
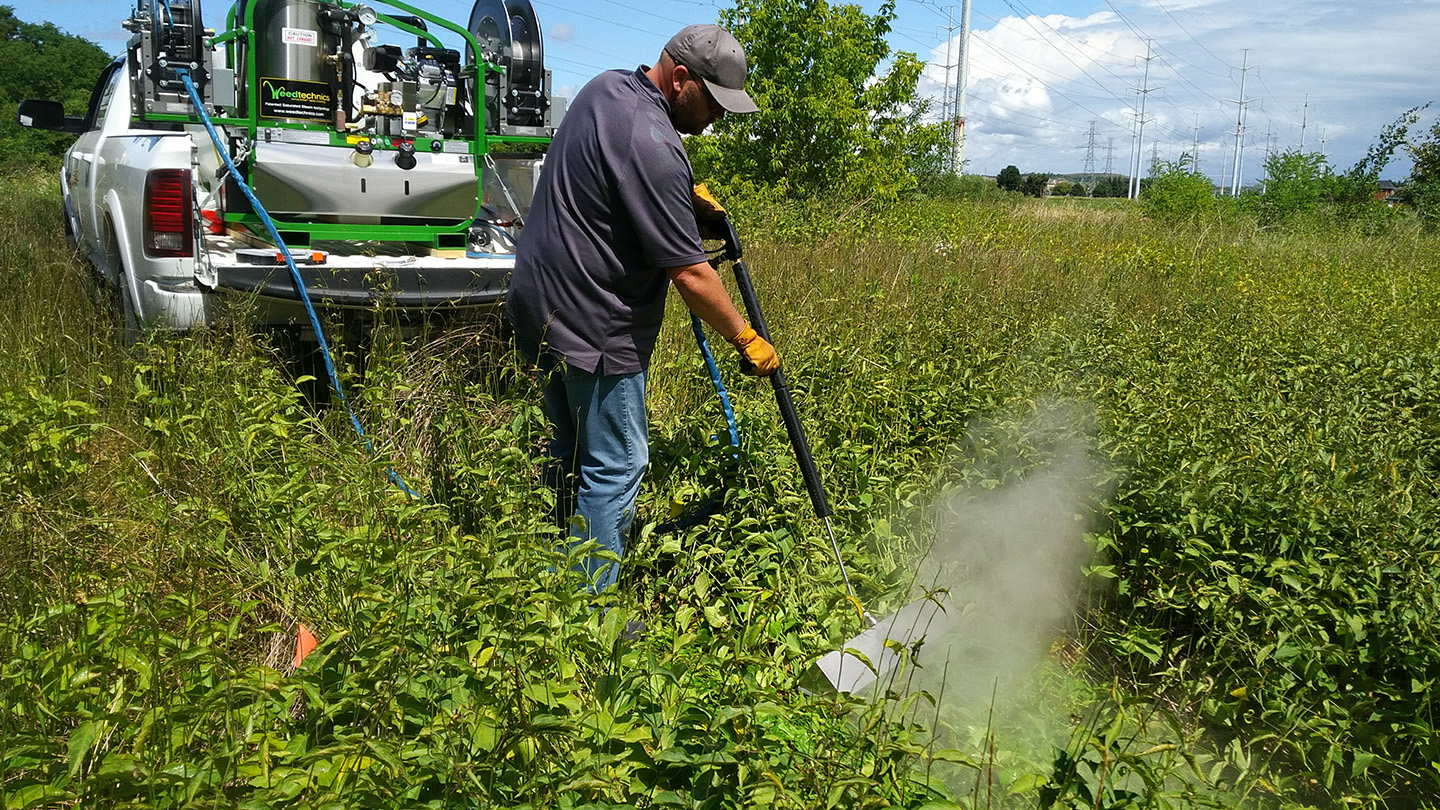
(480, 143)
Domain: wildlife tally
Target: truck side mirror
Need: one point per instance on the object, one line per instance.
(47, 115)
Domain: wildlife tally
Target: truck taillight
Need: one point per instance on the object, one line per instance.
(169, 226)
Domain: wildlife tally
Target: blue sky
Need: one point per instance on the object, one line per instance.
(1042, 72)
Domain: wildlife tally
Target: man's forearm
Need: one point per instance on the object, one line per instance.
(703, 292)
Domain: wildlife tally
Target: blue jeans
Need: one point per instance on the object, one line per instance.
(599, 449)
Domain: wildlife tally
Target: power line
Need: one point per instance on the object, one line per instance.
(1061, 51)
(1187, 32)
(1006, 57)
(602, 19)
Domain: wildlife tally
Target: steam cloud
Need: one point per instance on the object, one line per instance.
(1011, 557)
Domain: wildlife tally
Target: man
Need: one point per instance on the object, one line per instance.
(611, 227)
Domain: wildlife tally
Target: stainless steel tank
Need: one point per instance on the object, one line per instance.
(294, 80)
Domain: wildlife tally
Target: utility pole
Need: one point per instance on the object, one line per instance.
(1245, 68)
(1144, 91)
(1195, 147)
(949, 40)
(1130, 165)
(1090, 159)
(960, 87)
(1304, 122)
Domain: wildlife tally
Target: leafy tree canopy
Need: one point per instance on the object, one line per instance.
(1422, 188)
(1034, 184)
(1112, 186)
(1009, 178)
(1176, 192)
(41, 62)
(1295, 185)
(829, 122)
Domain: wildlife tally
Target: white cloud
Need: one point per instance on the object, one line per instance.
(565, 32)
(1037, 83)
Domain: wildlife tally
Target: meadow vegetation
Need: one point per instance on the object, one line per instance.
(1249, 529)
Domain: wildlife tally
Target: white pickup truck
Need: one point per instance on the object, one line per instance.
(397, 178)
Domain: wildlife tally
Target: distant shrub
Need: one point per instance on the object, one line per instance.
(1176, 193)
(1294, 187)
(962, 187)
(1034, 185)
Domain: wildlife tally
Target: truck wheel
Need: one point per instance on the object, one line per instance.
(127, 318)
(71, 243)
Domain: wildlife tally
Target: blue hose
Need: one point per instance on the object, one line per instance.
(699, 514)
(224, 153)
(698, 327)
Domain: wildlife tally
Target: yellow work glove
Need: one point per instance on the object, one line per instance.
(757, 356)
(709, 213)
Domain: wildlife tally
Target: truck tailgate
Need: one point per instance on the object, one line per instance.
(361, 278)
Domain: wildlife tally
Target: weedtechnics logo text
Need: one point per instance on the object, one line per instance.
(282, 93)
(295, 99)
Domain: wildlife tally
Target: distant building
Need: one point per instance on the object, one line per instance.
(1385, 189)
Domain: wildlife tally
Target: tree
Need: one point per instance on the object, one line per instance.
(1009, 178)
(1112, 185)
(1295, 184)
(1079, 190)
(828, 123)
(1353, 193)
(1176, 192)
(39, 61)
(1422, 189)
(1062, 189)
(1034, 185)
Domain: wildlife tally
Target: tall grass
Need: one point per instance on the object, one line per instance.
(1255, 514)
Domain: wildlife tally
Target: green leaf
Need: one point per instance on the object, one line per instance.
(81, 740)
(1027, 783)
(715, 617)
(35, 796)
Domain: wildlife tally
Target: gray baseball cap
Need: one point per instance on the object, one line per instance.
(713, 54)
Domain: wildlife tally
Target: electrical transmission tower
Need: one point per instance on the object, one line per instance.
(1245, 68)
(1135, 150)
(1090, 160)
(1110, 156)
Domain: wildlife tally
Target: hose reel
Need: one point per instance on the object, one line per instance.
(517, 101)
(172, 36)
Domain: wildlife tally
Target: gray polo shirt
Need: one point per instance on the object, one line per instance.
(611, 213)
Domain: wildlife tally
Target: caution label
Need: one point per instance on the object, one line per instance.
(291, 98)
(299, 36)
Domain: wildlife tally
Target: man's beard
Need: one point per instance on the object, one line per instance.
(690, 113)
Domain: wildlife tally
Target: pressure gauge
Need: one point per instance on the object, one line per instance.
(397, 98)
(364, 14)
